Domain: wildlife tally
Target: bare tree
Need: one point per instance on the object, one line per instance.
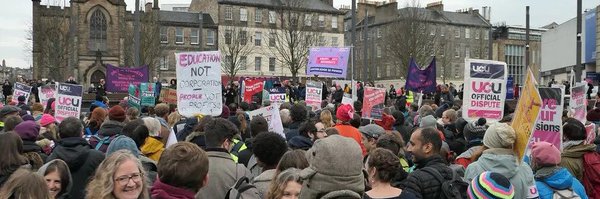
(235, 48)
(50, 47)
(409, 37)
(292, 39)
(149, 41)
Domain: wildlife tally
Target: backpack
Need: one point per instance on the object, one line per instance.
(242, 189)
(454, 188)
(562, 193)
(102, 141)
(591, 174)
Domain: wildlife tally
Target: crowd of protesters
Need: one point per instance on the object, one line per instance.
(412, 152)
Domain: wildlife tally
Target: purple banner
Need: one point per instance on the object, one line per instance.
(118, 79)
(328, 61)
(421, 80)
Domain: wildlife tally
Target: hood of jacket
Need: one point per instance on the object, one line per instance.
(31, 146)
(99, 104)
(501, 161)
(165, 191)
(151, 145)
(110, 128)
(300, 142)
(74, 151)
(555, 177)
(577, 151)
(265, 176)
(42, 170)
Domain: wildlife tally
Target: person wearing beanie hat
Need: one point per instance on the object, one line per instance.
(22, 104)
(123, 142)
(549, 177)
(490, 185)
(47, 119)
(473, 133)
(498, 156)
(387, 122)
(335, 168)
(428, 121)
(110, 129)
(343, 115)
(29, 131)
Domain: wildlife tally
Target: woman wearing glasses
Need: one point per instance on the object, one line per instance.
(119, 176)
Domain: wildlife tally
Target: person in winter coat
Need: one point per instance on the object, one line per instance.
(11, 159)
(549, 177)
(425, 145)
(473, 133)
(109, 129)
(7, 89)
(574, 148)
(337, 95)
(24, 183)
(81, 158)
(268, 149)
(153, 146)
(183, 170)
(223, 171)
(58, 178)
(344, 114)
(124, 142)
(95, 121)
(298, 114)
(499, 157)
(29, 131)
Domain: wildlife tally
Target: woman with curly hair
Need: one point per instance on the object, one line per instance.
(326, 118)
(287, 185)
(25, 184)
(119, 176)
(382, 166)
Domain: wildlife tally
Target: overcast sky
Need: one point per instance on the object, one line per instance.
(15, 18)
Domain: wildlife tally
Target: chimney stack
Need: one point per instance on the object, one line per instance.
(438, 6)
(148, 7)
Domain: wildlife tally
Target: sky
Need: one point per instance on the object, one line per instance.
(16, 15)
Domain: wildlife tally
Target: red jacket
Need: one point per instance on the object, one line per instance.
(351, 132)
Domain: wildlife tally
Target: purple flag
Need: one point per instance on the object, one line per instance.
(421, 80)
(118, 79)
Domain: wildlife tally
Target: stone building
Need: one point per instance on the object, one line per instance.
(392, 36)
(509, 46)
(81, 39)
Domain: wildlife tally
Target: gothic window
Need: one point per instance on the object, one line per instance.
(97, 31)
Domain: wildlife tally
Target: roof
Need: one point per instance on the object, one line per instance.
(184, 17)
(313, 5)
(446, 16)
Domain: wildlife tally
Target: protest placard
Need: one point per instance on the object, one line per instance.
(46, 92)
(199, 83)
(21, 90)
(526, 114)
(313, 94)
(168, 95)
(133, 99)
(485, 90)
(253, 89)
(328, 61)
(591, 131)
(347, 99)
(373, 103)
(147, 97)
(277, 96)
(119, 78)
(578, 102)
(69, 101)
(548, 126)
(271, 114)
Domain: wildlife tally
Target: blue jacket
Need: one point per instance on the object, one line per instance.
(557, 179)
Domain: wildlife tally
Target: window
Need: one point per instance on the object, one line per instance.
(243, 62)
(321, 40)
(227, 36)
(179, 35)
(334, 22)
(378, 32)
(258, 16)
(321, 21)
(308, 19)
(457, 33)
(457, 52)
(271, 64)
(334, 41)
(467, 33)
(210, 37)
(378, 51)
(467, 52)
(228, 13)
(486, 36)
(164, 63)
(243, 37)
(164, 39)
(257, 63)
(271, 17)
(476, 34)
(194, 36)
(97, 31)
(257, 38)
(272, 38)
(243, 14)
(432, 31)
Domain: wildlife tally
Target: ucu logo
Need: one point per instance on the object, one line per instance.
(486, 87)
(64, 88)
(277, 97)
(480, 68)
(69, 101)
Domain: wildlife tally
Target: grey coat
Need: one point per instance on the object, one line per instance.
(223, 172)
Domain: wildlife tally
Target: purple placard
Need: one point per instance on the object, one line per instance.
(118, 79)
(328, 61)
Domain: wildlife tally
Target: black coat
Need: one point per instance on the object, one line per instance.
(30, 146)
(81, 159)
(338, 95)
(423, 184)
(7, 89)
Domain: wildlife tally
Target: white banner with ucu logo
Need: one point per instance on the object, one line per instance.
(484, 90)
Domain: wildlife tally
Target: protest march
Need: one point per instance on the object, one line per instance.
(320, 137)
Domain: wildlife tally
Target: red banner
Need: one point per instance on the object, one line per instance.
(373, 103)
(252, 87)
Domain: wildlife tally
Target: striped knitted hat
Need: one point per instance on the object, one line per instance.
(490, 185)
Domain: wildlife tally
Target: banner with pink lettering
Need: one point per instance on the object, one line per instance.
(328, 61)
(21, 90)
(69, 101)
(548, 126)
(373, 103)
(46, 92)
(199, 83)
(578, 103)
(485, 89)
(278, 96)
(119, 78)
(314, 94)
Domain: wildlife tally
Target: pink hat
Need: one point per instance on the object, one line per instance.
(46, 120)
(545, 154)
